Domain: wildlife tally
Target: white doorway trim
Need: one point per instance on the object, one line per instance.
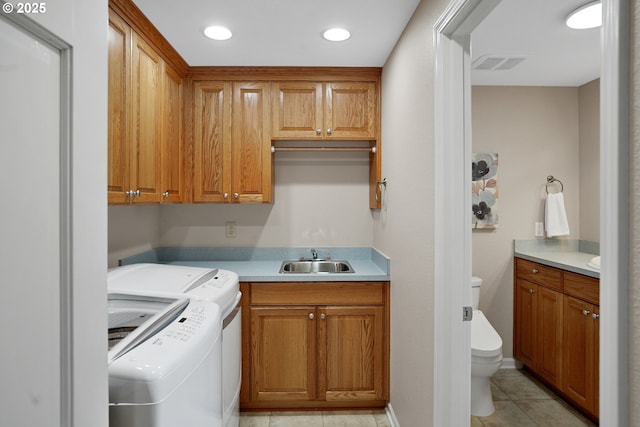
(452, 366)
(453, 231)
(614, 214)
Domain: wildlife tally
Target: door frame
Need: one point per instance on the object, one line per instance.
(452, 198)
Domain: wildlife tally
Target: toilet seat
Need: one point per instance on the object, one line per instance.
(485, 341)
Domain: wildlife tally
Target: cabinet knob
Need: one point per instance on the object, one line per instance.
(318, 131)
(535, 270)
(595, 315)
(311, 316)
(136, 193)
(236, 195)
(323, 316)
(329, 131)
(165, 194)
(585, 312)
(226, 196)
(129, 193)
(532, 291)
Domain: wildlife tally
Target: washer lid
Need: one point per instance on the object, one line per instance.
(219, 286)
(485, 341)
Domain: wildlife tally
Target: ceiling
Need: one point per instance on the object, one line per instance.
(289, 33)
(555, 55)
(281, 32)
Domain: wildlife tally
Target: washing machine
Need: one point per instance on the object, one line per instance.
(163, 362)
(216, 285)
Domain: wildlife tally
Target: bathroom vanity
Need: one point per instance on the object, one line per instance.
(556, 327)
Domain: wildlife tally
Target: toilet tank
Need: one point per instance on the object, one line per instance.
(476, 282)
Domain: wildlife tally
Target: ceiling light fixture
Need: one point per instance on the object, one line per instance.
(586, 16)
(336, 34)
(216, 32)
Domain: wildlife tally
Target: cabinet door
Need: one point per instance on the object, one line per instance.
(351, 353)
(525, 320)
(283, 353)
(549, 331)
(580, 353)
(146, 128)
(296, 110)
(212, 142)
(119, 106)
(251, 144)
(172, 151)
(350, 110)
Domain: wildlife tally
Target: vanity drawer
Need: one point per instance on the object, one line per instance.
(540, 274)
(318, 293)
(583, 287)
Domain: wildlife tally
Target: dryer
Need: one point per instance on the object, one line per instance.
(216, 285)
(163, 362)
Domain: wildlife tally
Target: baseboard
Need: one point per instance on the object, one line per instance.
(391, 416)
(510, 363)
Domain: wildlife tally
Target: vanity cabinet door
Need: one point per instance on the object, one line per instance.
(283, 353)
(351, 351)
(580, 355)
(525, 319)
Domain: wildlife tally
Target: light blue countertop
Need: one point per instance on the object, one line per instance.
(263, 264)
(571, 255)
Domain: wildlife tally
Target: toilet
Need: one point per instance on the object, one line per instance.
(486, 356)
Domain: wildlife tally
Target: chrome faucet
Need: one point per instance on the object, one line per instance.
(314, 254)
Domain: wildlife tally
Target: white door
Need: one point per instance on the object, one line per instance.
(34, 235)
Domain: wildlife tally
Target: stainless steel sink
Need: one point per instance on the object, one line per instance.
(316, 266)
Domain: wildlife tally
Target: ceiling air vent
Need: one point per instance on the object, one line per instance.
(497, 62)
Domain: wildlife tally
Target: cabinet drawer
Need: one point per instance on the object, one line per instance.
(540, 274)
(583, 287)
(318, 293)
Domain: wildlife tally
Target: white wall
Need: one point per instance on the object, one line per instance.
(321, 199)
(534, 130)
(404, 227)
(84, 25)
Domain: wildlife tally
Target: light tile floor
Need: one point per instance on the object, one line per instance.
(522, 401)
(315, 419)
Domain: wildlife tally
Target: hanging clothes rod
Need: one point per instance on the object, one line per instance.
(370, 149)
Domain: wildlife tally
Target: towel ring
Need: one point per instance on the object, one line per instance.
(551, 180)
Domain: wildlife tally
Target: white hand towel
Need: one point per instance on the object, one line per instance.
(555, 216)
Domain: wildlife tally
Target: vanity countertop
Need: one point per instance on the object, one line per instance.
(571, 255)
(263, 264)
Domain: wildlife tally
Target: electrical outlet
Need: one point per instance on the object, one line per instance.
(539, 229)
(230, 229)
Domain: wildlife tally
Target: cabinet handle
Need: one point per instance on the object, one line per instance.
(532, 291)
(585, 312)
(225, 196)
(329, 131)
(323, 316)
(318, 132)
(129, 193)
(595, 315)
(236, 195)
(535, 270)
(136, 193)
(311, 316)
(165, 194)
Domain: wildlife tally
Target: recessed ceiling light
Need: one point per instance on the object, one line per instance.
(336, 34)
(587, 16)
(216, 32)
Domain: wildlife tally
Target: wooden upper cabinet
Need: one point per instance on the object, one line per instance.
(297, 110)
(232, 145)
(212, 142)
(119, 109)
(146, 132)
(351, 110)
(252, 160)
(334, 110)
(172, 149)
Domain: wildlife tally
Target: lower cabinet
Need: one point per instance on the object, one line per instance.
(315, 345)
(556, 330)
